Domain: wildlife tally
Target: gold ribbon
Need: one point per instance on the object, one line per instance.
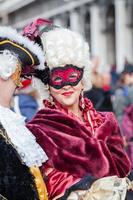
(107, 188)
(41, 188)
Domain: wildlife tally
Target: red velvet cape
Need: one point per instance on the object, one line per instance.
(72, 147)
(74, 151)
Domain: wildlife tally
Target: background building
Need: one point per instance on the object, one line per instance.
(106, 24)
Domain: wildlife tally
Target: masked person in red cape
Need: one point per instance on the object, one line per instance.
(78, 140)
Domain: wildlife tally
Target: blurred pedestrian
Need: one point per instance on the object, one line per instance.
(123, 96)
(100, 93)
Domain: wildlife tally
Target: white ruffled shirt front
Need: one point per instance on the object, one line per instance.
(23, 140)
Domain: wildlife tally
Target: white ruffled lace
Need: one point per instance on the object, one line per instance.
(24, 141)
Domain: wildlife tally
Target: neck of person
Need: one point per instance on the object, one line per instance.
(75, 109)
(7, 88)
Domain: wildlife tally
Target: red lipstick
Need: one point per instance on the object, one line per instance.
(67, 93)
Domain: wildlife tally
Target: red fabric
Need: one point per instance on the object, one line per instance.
(25, 83)
(127, 128)
(106, 88)
(73, 149)
(58, 181)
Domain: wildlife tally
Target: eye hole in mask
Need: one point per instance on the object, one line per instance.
(68, 75)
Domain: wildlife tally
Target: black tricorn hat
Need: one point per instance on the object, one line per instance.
(28, 53)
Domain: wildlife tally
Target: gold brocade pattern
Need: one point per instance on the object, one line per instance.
(2, 198)
(5, 136)
(41, 188)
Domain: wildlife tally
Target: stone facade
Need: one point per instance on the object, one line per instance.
(107, 25)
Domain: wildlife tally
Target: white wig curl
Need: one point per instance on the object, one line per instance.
(63, 47)
(8, 64)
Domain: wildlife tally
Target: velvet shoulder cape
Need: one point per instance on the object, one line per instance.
(72, 147)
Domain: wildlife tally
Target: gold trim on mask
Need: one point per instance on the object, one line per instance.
(16, 76)
(20, 47)
(41, 188)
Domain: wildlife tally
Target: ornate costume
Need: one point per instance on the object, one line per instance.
(20, 154)
(76, 149)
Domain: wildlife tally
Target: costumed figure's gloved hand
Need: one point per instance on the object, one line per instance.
(107, 188)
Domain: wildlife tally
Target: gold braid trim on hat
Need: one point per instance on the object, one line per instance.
(41, 188)
(20, 47)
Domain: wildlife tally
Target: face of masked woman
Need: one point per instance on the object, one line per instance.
(66, 85)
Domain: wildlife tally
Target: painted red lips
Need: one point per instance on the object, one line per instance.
(67, 93)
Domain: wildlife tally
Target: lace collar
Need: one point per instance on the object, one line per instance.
(25, 143)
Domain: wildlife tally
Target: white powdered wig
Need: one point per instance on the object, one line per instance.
(62, 47)
(8, 64)
(43, 90)
(11, 34)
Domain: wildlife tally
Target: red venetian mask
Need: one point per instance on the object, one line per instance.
(68, 75)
